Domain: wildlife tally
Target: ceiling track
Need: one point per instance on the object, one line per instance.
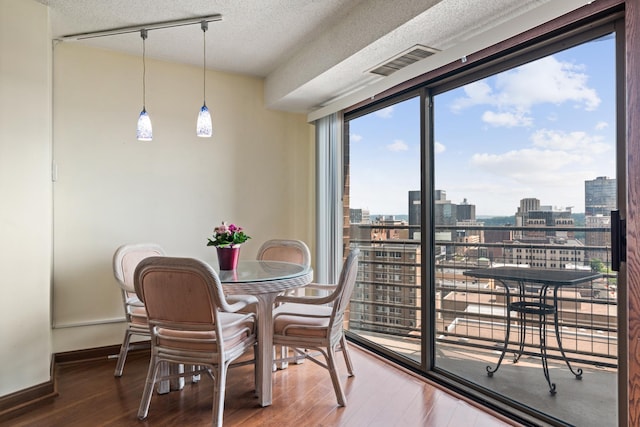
(137, 28)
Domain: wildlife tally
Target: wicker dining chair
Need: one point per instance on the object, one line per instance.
(295, 251)
(191, 323)
(316, 322)
(286, 250)
(125, 260)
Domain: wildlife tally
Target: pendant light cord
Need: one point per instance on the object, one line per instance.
(205, 26)
(143, 34)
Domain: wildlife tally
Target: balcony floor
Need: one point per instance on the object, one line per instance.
(587, 402)
(591, 401)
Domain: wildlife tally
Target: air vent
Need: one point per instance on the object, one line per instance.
(408, 57)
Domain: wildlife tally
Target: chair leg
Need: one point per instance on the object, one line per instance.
(347, 356)
(333, 372)
(255, 369)
(122, 357)
(143, 410)
(299, 354)
(300, 359)
(218, 394)
(284, 353)
(196, 377)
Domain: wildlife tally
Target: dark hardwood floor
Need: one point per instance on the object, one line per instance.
(378, 395)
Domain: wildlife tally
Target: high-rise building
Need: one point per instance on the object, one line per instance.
(526, 205)
(415, 213)
(600, 196)
(532, 214)
(466, 211)
(359, 216)
(445, 212)
(599, 201)
(549, 217)
(600, 239)
(387, 293)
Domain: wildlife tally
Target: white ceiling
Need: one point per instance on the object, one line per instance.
(309, 51)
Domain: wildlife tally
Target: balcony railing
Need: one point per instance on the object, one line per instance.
(387, 302)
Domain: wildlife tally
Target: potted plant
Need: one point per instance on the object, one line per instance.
(227, 240)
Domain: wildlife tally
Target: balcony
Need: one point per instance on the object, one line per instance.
(469, 315)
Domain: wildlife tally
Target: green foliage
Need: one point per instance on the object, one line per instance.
(598, 266)
(227, 236)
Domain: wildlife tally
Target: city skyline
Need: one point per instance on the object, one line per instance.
(539, 130)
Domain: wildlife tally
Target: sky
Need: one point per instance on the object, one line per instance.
(539, 130)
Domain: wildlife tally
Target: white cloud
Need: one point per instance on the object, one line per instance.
(478, 93)
(601, 125)
(385, 113)
(576, 142)
(553, 167)
(515, 92)
(398, 145)
(538, 168)
(354, 137)
(506, 119)
(546, 80)
(439, 147)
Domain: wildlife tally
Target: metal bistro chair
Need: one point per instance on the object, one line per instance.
(125, 261)
(317, 323)
(191, 323)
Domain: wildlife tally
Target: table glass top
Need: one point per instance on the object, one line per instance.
(258, 271)
(534, 275)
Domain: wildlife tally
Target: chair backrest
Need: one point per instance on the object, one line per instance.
(179, 291)
(183, 298)
(295, 251)
(343, 291)
(127, 258)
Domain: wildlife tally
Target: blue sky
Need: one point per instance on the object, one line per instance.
(539, 130)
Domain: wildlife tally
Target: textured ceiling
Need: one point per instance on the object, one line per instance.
(309, 51)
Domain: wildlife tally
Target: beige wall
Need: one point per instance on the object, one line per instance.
(111, 189)
(25, 191)
(79, 106)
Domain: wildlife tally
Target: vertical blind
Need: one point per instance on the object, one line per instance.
(328, 198)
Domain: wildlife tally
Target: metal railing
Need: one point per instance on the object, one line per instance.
(387, 302)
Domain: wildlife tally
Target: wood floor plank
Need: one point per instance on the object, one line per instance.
(378, 395)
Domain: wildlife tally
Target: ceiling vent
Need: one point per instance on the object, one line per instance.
(408, 57)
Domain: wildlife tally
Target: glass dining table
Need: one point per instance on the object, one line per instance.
(264, 280)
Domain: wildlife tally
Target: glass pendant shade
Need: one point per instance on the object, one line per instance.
(144, 130)
(203, 126)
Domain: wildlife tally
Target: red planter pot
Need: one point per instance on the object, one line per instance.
(228, 257)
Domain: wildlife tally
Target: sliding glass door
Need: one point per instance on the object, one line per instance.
(512, 165)
(525, 178)
(384, 217)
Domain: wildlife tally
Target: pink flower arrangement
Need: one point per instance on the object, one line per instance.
(227, 236)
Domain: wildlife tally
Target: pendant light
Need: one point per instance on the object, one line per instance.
(203, 126)
(144, 130)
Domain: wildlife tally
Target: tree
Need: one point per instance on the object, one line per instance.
(597, 266)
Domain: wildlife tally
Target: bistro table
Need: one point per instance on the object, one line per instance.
(264, 280)
(534, 304)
